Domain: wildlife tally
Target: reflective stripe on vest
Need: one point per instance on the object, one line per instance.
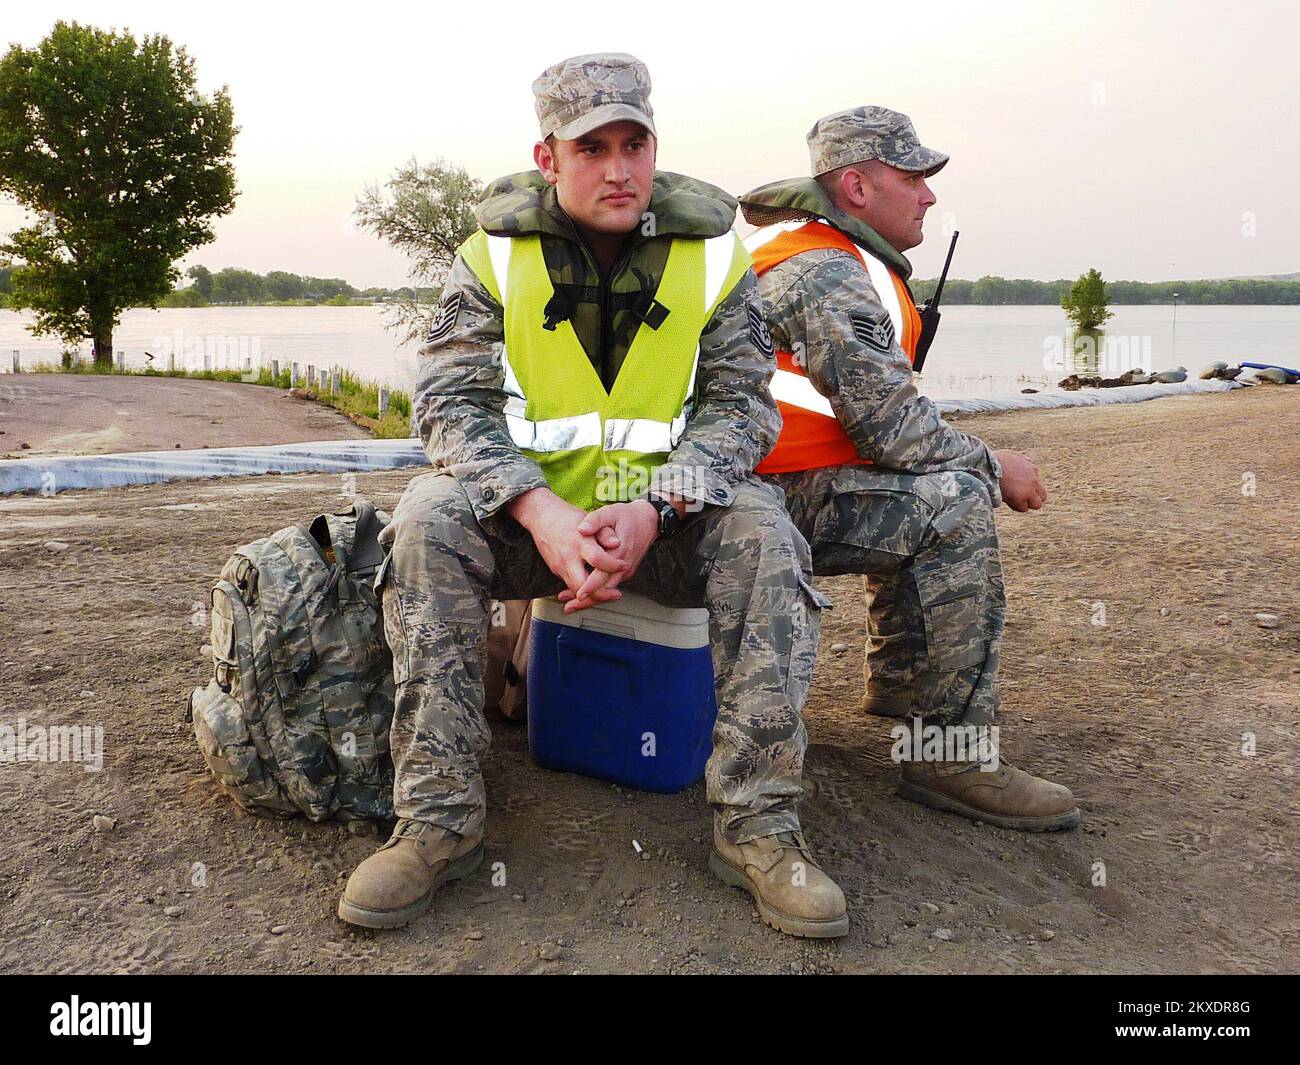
(811, 435)
(547, 372)
(797, 390)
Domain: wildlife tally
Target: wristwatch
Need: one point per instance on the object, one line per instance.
(669, 520)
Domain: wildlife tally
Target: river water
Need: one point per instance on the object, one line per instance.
(978, 350)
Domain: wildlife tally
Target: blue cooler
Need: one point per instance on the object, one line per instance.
(622, 691)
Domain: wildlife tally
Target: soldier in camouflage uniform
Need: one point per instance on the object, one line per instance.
(912, 508)
(487, 525)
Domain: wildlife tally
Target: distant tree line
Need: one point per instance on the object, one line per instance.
(1002, 290)
(235, 286)
(243, 287)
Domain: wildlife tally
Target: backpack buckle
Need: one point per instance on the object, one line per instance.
(246, 576)
(653, 314)
(559, 308)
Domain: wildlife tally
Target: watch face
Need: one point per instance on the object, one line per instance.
(668, 517)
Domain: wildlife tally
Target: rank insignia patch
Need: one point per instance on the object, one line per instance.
(758, 331)
(875, 331)
(445, 319)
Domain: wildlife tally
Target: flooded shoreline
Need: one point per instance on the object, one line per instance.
(979, 351)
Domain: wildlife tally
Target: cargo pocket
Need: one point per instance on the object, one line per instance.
(847, 534)
(804, 631)
(394, 631)
(954, 633)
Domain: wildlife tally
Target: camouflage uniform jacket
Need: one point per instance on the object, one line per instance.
(459, 397)
(810, 298)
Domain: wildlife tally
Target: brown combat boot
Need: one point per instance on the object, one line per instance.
(793, 894)
(395, 885)
(1006, 797)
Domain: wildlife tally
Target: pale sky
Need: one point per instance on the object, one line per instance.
(1151, 140)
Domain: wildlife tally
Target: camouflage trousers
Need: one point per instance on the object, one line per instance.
(928, 551)
(745, 563)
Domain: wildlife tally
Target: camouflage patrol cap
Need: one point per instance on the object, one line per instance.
(578, 95)
(870, 132)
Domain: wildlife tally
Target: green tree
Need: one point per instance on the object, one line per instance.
(426, 212)
(326, 288)
(988, 289)
(281, 285)
(202, 280)
(106, 140)
(233, 285)
(1085, 303)
(183, 297)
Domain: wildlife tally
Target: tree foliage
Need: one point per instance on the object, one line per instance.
(183, 297)
(1227, 290)
(1085, 303)
(425, 211)
(281, 285)
(106, 141)
(202, 278)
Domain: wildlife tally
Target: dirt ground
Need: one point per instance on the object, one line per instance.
(93, 414)
(1145, 717)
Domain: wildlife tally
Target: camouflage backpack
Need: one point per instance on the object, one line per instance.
(296, 716)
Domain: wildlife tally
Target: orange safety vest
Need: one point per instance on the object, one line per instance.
(811, 435)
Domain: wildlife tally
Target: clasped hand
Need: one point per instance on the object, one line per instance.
(591, 552)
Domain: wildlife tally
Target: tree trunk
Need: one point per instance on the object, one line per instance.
(103, 341)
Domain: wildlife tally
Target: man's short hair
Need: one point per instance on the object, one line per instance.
(830, 181)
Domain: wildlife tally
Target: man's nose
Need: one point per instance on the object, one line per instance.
(617, 172)
(928, 198)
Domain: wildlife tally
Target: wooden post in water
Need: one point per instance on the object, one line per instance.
(121, 361)
(17, 367)
(334, 383)
(171, 362)
(293, 375)
(275, 372)
(383, 400)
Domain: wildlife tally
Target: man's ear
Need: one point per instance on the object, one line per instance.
(545, 160)
(855, 187)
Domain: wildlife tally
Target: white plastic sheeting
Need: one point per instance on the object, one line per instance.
(145, 467)
(1052, 398)
(359, 456)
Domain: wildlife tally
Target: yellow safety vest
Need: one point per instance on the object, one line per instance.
(596, 447)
